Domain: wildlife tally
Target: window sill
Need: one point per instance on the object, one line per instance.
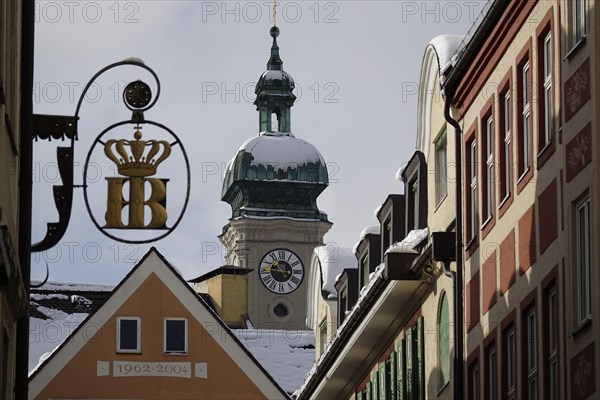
(175, 353)
(504, 204)
(575, 48)
(471, 246)
(129, 352)
(524, 179)
(487, 226)
(471, 241)
(545, 153)
(581, 326)
(444, 386)
(439, 204)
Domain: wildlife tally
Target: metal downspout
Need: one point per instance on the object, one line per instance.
(25, 193)
(457, 279)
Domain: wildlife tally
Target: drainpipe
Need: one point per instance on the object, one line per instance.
(458, 276)
(25, 191)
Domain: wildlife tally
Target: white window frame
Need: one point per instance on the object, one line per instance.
(582, 260)
(511, 365)
(491, 179)
(553, 343)
(138, 320)
(526, 118)
(507, 145)
(441, 167)
(532, 366)
(578, 21)
(473, 192)
(176, 352)
(492, 361)
(547, 70)
(475, 392)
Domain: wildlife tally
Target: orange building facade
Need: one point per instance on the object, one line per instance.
(154, 338)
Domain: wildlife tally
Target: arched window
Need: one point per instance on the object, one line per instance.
(443, 336)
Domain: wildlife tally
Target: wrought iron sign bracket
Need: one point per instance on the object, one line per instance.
(138, 98)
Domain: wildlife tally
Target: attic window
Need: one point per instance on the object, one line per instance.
(176, 336)
(128, 334)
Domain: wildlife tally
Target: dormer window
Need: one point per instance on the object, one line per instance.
(343, 305)
(391, 216)
(415, 188)
(364, 271)
(347, 288)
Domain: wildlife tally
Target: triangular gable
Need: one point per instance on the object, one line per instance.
(155, 269)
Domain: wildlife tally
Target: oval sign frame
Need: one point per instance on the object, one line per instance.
(188, 186)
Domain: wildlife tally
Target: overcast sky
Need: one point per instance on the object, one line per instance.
(356, 65)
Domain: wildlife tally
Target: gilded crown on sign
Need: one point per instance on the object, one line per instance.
(139, 163)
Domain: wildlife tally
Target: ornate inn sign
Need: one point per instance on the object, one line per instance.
(135, 198)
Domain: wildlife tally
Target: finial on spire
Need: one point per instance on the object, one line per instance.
(274, 12)
(275, 62)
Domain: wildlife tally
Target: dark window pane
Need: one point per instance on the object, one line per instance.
(175, 336)
(128, 334)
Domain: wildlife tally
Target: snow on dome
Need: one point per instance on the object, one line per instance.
(333, 260)
(373, 229)
(276, 156)
(281, 151)
(408, 244)
(446, 47)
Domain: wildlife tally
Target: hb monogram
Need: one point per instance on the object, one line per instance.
(136, 168)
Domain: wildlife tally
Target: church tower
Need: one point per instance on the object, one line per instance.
(272, 185)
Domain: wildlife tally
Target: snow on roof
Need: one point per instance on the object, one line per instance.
(75, 287)
(333, 259)
(408, 244)
(373, 229)
(376, 212)
(446, 47)
(46, 335)
(399, 172)
(286, 355)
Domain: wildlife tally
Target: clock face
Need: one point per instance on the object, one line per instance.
(281, 271)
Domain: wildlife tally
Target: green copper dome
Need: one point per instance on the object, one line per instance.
(277, 157)
(275, 174)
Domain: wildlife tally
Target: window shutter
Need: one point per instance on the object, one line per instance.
(409, 365)
(393, 375)
(369, 391)
(420, 348)
(400, 378)
(382, 381)
(375, 386)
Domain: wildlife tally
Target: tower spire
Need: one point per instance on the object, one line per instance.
(274, 93)
(275, 62)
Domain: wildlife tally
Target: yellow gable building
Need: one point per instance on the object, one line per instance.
(154, 338)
